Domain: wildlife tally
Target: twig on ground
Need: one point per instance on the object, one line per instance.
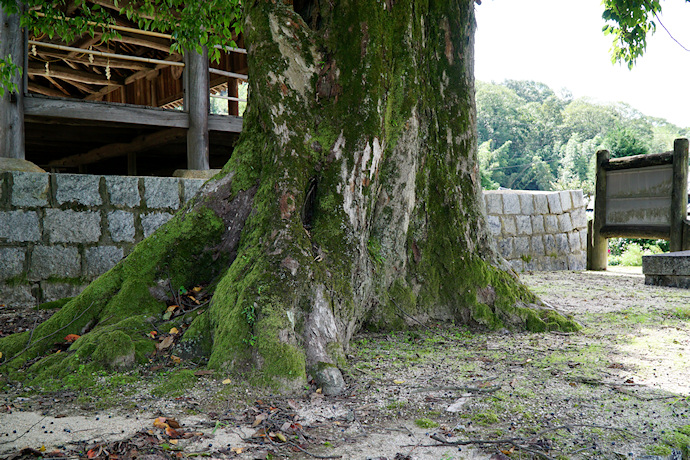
(21, 435)
(29, 344)
(312, 454)
(483, 442)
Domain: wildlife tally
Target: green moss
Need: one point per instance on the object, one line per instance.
(55, 304)
(425, 423)
(175, 383)
(658, 449)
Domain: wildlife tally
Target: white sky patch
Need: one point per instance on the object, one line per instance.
(560, 43)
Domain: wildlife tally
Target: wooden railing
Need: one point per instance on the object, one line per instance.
(642, 196)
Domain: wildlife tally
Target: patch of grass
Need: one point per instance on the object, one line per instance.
(395, 405)
(174, 383)
(425, 423)
(659, 449)
(485, 418)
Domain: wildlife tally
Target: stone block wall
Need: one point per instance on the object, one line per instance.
(539, 230)
(60, 231)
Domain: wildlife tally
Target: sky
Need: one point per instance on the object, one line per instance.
(560, 43)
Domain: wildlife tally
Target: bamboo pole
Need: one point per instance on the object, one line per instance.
(228, 98)
(107, 55)
(225, 73)
(119, 28)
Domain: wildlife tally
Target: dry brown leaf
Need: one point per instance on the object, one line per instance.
(172, 432)
(174, 331)
(69, 338)
(161, 422)
(166, 343)
(237, 450)
(172, 308)
(259, 418)
(176, 359)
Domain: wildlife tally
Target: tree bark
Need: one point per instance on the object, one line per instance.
(352, 199)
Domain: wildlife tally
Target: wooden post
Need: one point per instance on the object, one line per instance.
(197, 99)
(12, 105)
(600, 248)
(233, 106)
(679, 195)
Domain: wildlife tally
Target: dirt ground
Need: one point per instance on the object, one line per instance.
(618, 389)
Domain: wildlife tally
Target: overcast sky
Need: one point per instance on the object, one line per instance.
(560, 43)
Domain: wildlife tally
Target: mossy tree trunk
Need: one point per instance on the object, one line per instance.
(352, 197)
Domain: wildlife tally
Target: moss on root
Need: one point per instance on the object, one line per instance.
(110, 314)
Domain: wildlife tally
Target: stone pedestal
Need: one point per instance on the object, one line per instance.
(672, 269)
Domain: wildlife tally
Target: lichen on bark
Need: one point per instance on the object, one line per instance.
(352, 199)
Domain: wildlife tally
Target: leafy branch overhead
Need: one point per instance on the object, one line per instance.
(630, 22)
(192, 24)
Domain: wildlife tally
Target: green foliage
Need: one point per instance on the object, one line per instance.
(7, 70)
(629, 252)
(191, 24)
(530, 138)
(629, 22)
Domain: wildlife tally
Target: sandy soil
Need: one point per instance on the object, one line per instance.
(618, 389)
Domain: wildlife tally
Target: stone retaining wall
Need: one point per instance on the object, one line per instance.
(60, 231)
(539, 230)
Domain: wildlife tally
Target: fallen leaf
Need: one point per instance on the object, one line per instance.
(173, 423)
(153, 334)
(166, 342)
(174, 331)
(175, 359)
(173, 441)
(226, 382)
(194, 300)
(91, 454)
(318, 390)
(69, 338)
(161, 422)
(0, 355)
(398, 382)
(259, 418)
(172, 308)
(237, 450)
(43, 448)
(197, 289)
(172, 432)
(281, 436)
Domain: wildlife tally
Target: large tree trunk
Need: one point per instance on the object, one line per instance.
(352, 198)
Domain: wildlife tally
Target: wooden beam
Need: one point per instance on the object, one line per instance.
(639, 161)
(138, 144)
(102, 92)
(198, 107)
(149, 42)
(99, 61)
(58, 86)
(37, 106)
(12, 105)
(599, 257)
(65, 73)
(679, 194)
(36, 88)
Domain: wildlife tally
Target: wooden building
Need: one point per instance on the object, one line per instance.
(126, 106)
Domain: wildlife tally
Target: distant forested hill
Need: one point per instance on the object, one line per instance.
(534, 139)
